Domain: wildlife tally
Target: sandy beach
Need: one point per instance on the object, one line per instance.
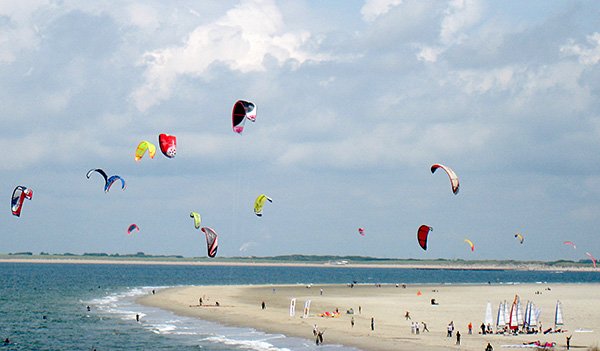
(387, 305)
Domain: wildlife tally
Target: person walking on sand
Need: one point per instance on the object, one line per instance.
(470, 328)
(569, 341)
(263, 305)
(457, 337)
(373, 323)
(425, 327)
(489, 347)
(449, 335)
(352, 322)
(407, 315)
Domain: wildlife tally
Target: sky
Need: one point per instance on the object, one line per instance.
(355, 101)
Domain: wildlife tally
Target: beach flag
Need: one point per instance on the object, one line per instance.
(293, 307)
(419, 293)
(306, 309)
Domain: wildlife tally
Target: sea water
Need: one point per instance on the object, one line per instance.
(44, 306)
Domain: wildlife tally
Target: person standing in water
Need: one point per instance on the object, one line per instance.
(137, 317)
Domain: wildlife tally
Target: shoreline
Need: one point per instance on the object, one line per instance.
(240, 306)
(500, 267)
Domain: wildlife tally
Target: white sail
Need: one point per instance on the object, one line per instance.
(519, 312)
(500, 321)
(293, 307)
(489, 319)
(558, 315)
(534, 314)
(306, 309)
(513, 320)
(505, 310)
(527, 316)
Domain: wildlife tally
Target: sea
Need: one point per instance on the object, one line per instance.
(44, 306)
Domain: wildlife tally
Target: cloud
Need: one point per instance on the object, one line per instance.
(458, 18)
(589, 55)
(375, 8)
(240, 40)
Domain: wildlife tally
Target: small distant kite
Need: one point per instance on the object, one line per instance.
(142, 148)
(131, 228)
(592, 258)
(361, 231)
(520, 237)
(570, 243)
(242, 110)
(470, 243)
(259, 203)
(422, 235)
(212, 243)
(20, 193)
(453, 177)
(168, 145)
(197, 219)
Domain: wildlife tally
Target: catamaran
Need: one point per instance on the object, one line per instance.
(558, 315)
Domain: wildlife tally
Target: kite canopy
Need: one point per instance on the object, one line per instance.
(112, 180)
(142, 148)
(99, 171)
(197, 219)
(20, 193)
(242, 110)
(422, 235)
(211, 241)
(592, 258)
(570, 243)
(259, 203)
(361, 231)
(132, 227)
(470, 244)
(168, 145)
(520, 237)
(453, 177)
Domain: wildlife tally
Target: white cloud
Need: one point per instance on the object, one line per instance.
(375, 8)
(20, 33)
(241, 40)
(589, 55)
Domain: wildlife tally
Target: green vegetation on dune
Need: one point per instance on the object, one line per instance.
(301, 259)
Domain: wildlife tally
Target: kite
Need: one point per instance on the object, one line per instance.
(520, 237)
(422, 235)
(453, 177)
(99, 171)
(470, 244)
(132, 227)
(361, 231)
(141, 150)
(259, 203)
(211, 241)
(592, 257)
(242, 110)
(112, 180)
(570, 243)
(18, 197)
(168, 145)
(197, 219)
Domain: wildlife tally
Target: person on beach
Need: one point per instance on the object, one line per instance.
(153, 292)
(412, 327)
(88, 308)
(359, 310)
(263, 305)
(425, 327)
(315, 329)
(457, 337)
(489, 347)
(417, 328)
(373, 323)
(470, 326)
(321, 291)
(407, 315)
(482, 328)
(200, 302)
(569, 341)
(352, 322)
(450, 328)
(320, 336)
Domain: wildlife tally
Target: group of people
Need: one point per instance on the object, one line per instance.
(319, 334)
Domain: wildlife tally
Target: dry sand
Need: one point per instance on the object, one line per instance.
(241, 306)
